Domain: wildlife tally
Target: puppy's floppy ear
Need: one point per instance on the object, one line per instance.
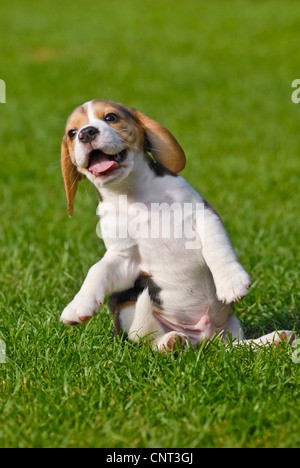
(162, 145)
(70, 174)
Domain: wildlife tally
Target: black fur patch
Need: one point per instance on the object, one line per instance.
(158, 168)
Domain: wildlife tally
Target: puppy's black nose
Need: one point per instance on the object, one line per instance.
(88, 134)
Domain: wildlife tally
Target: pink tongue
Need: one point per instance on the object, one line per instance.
(101, 164)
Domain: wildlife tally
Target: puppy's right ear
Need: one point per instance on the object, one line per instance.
(70, 174)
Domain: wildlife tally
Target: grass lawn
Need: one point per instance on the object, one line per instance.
(218, 75)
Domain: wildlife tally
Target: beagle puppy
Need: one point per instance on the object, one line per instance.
(172, 276)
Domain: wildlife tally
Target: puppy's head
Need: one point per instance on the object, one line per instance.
(103, 140)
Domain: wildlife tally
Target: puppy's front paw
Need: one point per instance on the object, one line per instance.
(79, 310)
(234, 284)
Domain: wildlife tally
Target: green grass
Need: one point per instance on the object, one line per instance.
(218, 75)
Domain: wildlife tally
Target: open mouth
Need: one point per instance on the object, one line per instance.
(101, 163)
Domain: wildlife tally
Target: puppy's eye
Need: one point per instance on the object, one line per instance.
(72, 133)
(111, 117)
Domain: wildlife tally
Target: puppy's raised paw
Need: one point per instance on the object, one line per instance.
(80, 310)
(234, 284)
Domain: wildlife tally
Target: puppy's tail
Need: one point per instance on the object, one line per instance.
(144, 323)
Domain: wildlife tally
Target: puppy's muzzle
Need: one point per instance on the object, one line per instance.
(88, 134)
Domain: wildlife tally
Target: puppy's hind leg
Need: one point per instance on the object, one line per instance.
(138, 320)
(275, 337)
(235, 330)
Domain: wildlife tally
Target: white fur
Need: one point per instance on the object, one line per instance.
(108, 140)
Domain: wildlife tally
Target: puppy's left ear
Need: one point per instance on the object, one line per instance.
(70, 174)
(163, 146)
